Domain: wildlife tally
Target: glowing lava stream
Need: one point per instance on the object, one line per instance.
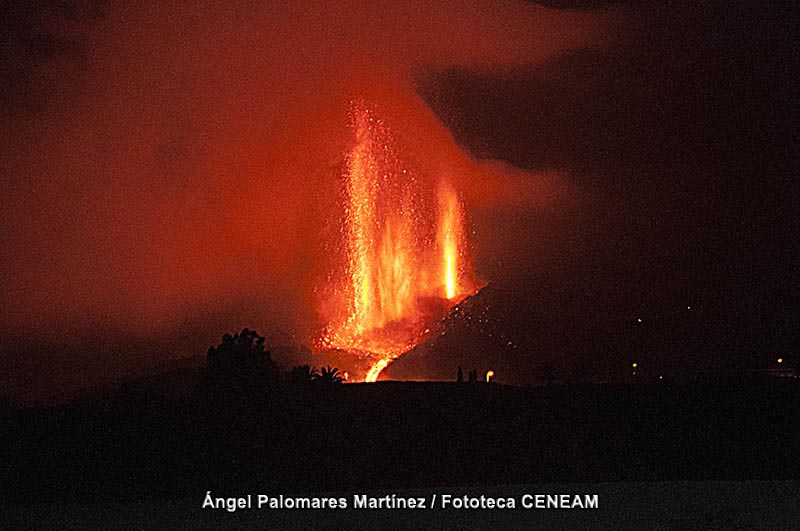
(449, 234)
(375, 370)
(403, 239)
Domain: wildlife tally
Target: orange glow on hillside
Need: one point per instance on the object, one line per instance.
(404, 249)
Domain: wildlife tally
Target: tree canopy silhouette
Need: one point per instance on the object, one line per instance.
(241, 353)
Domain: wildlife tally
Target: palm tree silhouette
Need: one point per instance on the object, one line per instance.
(329, 375)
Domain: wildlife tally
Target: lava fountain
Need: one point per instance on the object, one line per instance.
(404, 245)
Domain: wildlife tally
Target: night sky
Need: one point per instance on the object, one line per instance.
(168, 174)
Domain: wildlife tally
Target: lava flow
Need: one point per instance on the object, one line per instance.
(403, 239)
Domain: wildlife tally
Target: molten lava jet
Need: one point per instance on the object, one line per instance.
(404, 243)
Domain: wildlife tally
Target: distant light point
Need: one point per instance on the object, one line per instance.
(639, 320)
(780, 360)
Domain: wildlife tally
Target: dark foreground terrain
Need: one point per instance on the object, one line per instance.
(134, 444)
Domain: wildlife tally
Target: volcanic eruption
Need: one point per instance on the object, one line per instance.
(403, 243)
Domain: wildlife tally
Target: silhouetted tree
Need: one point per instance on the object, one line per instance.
(460, 376)
(239, 369)
(241, 353)
(329, 375)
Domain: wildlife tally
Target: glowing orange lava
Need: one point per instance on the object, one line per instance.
(448, 237)
(404, 243)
